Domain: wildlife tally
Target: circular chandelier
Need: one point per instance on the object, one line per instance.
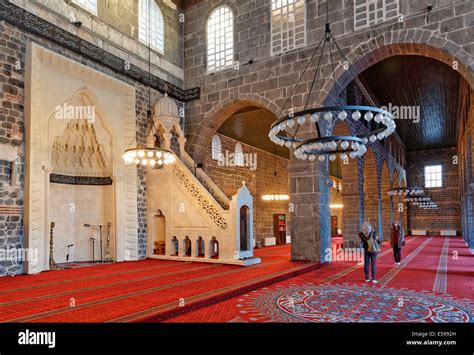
(152, 157)
(416, 196)
(406, 191)
(325, 146)
(275, 197)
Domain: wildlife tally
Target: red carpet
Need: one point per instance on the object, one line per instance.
(129, 291)
(435, 282)
(337, 292)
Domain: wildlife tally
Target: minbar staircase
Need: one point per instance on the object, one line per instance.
(189, 218)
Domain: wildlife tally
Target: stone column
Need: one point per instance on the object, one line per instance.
(351, 199)
(167, 137)
(372, 199)
(309, 207)
(182, 144)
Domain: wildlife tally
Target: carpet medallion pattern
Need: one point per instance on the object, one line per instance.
(351, 303)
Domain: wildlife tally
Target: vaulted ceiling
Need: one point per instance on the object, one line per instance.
(409, 81)
(421, 82)
(251, 126)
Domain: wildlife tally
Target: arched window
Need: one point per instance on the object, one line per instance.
(216, 147)
(151, 27)
(239, 155)
(288, 25)
(89, 5)
(220, 39)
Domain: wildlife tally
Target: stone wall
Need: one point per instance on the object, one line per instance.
(448, 216)
(13, 42)
(259, 181)
(465, 151)
(115, 29)
(266, 81)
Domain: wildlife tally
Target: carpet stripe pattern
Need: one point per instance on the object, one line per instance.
(434, 283)
(404, 293)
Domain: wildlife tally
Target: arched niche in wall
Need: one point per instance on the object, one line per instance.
(244, 228)
(81, 198)
(159, 232)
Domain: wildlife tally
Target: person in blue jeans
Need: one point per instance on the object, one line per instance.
(368, 237)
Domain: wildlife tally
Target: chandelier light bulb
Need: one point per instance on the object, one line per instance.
(328, 116)
(345, 145)
(373, 139)
(141, 153)
(322, 158)
(290, 123)
(368, 116)
(301, 120)
(332, 157)
(314, 118)
(356, 115)
(342, 115)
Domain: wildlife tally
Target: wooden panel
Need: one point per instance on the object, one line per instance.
(424, 82)
(251, 126)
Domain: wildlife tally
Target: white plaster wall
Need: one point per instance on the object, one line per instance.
(51, 80)
(72, 206)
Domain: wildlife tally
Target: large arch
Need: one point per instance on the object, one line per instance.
(380, 46)
(200, 137)
(401, 42)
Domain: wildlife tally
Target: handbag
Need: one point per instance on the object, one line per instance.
(373, 244)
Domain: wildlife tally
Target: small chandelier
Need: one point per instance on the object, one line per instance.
(416, 196)
(283, 131)
(152, 157)
(278, 196)
(275, 197)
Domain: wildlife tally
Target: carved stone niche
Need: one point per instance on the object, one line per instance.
(52, 81)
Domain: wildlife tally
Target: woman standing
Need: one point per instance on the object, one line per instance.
(371, 244)
(397, 241)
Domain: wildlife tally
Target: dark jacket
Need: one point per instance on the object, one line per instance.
(397, 233)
